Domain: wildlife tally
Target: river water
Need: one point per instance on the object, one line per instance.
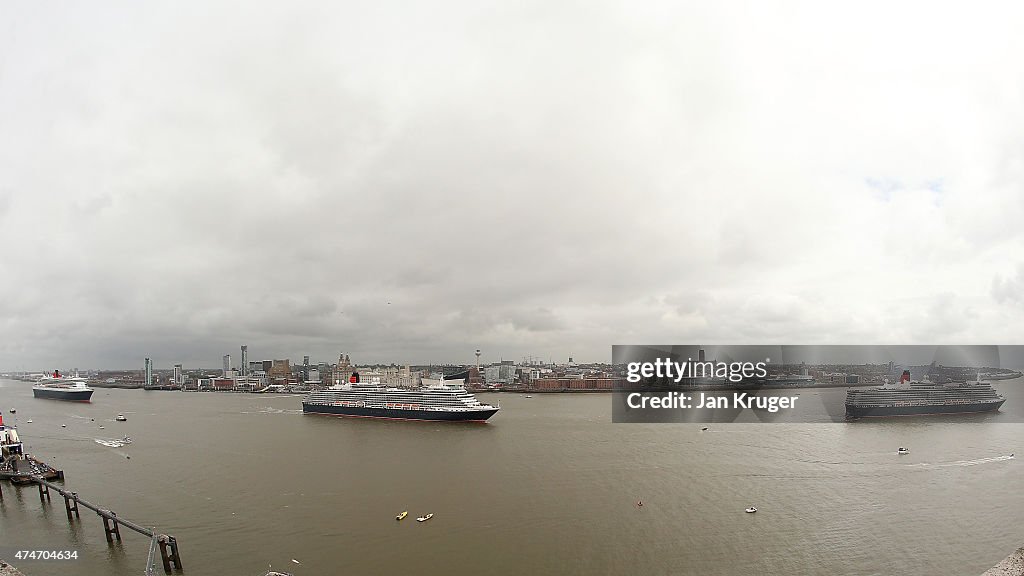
(549, 486)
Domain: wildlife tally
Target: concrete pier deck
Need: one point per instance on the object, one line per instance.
(8, 570)
(1013, 565)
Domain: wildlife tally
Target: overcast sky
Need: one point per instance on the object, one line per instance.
(410, 181)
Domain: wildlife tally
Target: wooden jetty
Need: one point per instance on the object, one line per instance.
(168, 545)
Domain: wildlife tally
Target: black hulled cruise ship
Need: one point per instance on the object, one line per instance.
(58, 387)
(446, 401)
(920, 398)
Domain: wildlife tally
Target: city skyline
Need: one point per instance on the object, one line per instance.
(419, 181)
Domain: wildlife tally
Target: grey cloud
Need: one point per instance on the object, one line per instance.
(525, 179)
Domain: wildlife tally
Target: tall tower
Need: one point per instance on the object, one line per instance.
(245, 360)
(477, 359)
(178, 378)
(149, 372)
(227, 364)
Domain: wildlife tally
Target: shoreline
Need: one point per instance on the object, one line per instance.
(8, 570)
(1012, 565)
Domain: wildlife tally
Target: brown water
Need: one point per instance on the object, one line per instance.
(549, 486)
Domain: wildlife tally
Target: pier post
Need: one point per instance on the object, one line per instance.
(71, 507)
(110, 526)
(169, 557)
(44, 491)
(1, 492)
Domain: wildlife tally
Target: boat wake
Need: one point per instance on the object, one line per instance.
(270, 410)
(959, 463)
(113, 443)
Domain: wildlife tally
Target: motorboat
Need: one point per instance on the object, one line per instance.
(750, 510)
(13, 411)
(903, 450)
(424, 518)
(29, 421)
(402, 515)
(121, 418)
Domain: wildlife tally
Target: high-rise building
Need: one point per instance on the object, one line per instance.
(245, 360)
(227, 364)
(305, 368)
(177, 379)
(149, 372)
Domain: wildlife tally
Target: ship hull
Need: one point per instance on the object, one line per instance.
(883, 411)
(67, 395)
(397, 414)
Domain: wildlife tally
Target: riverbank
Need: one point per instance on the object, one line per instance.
(1013, 565)
(8, 570)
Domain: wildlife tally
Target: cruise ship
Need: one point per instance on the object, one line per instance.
(58, 387)
(919, 398)
(446, 401)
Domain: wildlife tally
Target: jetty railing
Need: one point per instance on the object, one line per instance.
(168, 545)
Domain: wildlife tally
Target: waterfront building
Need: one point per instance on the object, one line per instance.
(245, 360)
(575, 384)
(500, 374)
(177, 378)
(344, 366)
(279, 370)
(227, 365)
(149, 372)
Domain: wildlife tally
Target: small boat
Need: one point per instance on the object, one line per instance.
(13, 411)
(29, 421)
(121, 418)
(63, 425)
(639, 503)
(402, 515)
(528, 396)
(750, 510)
(903, 450)
(703, 429)
(424, 518)
(101, 426)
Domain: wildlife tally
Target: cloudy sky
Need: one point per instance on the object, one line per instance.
(411, 181)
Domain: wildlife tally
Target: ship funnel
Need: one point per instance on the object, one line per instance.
(905, 377)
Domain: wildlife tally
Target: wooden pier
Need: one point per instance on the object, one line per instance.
(168, 545)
